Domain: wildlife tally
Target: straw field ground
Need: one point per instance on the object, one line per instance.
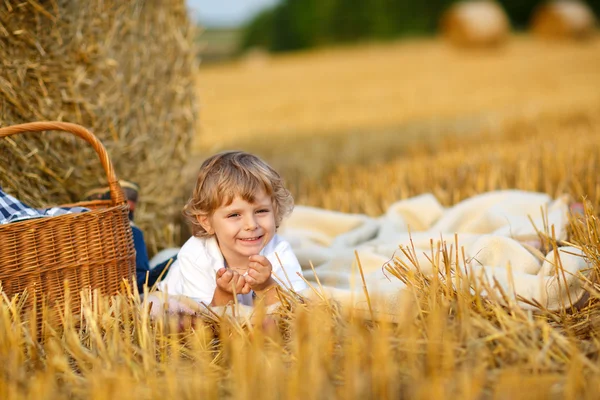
(355, 129)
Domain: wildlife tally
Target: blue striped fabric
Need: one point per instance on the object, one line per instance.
(13, 210)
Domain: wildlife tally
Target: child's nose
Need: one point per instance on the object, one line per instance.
(251, 223)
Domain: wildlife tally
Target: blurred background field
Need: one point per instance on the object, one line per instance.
(384, 86)
(358, 106)
(370, 103)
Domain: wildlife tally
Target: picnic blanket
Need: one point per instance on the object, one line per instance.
(498, 231)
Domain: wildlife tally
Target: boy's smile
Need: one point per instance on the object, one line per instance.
(242, 228)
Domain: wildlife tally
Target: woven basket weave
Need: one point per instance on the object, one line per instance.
(90, 250)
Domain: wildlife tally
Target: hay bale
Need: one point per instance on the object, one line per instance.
(564, 19)
(475, 24)
(124, 70)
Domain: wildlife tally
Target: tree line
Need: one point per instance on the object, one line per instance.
(301, 24)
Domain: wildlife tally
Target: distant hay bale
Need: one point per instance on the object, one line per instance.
(255, 58)
(475, 24)
(564, 19)
(124, 70)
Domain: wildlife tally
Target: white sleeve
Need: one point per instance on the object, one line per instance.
(196, 279)
(290, 264)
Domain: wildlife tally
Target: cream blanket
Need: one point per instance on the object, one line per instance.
(501, 245)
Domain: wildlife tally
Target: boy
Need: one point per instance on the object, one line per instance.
(236, 207)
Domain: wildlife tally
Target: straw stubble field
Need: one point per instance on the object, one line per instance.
(465, 136)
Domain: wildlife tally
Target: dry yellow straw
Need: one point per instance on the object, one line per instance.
(310, 286)
(235, 300)
(561, 269)
(291, 287)
(319, 283)
(164, 271)
(362, 276)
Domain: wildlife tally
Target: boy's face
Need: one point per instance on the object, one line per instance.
(242, 229)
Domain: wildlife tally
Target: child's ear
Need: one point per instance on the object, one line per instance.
(204, 221)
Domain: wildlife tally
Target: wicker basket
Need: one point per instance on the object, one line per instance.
(90, 250)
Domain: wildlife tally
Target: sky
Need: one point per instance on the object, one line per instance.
(226, 13)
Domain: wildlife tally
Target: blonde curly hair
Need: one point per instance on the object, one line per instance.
(226, 175)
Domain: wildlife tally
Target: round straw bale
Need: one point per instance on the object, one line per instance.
(122, 69)
(475, 24)
(563, 19)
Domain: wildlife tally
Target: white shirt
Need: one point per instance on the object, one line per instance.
(194, 272)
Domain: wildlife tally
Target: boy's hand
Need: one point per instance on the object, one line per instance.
(259, 273)
(228, 279)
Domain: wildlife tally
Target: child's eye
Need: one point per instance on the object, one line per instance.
(233, 215)
(263, 211)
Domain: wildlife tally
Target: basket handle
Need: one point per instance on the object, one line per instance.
(116, 193)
